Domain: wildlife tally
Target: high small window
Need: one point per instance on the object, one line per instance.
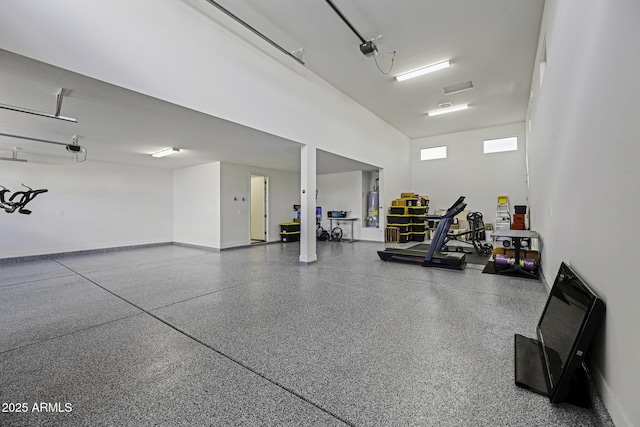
(433, 153)
(543, 59)
(501, 144)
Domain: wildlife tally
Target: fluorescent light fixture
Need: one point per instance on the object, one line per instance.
(166, 152)
(448, 110)
(423, 71)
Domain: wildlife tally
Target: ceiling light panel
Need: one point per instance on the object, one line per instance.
(423, 71)
(165, 152)
(448, 110)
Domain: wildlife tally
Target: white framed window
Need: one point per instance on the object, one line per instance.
(543, 59)
(433, 153)
(501, 144)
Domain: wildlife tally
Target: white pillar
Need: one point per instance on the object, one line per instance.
(308, 204)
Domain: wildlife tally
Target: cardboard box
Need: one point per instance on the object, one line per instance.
(534, 255)
(461, 220)
(508, 252)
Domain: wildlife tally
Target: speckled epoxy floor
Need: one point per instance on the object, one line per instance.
(173, 335)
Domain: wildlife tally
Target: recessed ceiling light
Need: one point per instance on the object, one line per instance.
(448, 110)
(165, 152)
(423, 71)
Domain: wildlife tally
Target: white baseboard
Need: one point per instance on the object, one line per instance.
(609, 399)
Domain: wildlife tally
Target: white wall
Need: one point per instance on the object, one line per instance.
(197, 205)
(89, 205)
(164, 50)
(235, 221)
(341, 192)
(583, 158)
(467, 171)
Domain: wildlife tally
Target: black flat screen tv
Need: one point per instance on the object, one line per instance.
(552, 364)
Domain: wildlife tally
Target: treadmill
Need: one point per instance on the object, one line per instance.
(433, 257)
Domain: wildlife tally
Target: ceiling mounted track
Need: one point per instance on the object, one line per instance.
(28, 138)
(367, 47)
(73, 147)
(346, 21)
(56, 115)
(254, 31)
(14, 158)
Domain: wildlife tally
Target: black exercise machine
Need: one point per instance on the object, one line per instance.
(433, 257)
(474, 237)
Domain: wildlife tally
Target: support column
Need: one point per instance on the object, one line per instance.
(308, 204)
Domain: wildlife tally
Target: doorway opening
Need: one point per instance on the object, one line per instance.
(259, 209)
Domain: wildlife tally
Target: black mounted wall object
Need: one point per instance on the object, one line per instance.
(18, 200)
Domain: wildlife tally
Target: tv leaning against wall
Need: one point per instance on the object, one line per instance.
(552, 364)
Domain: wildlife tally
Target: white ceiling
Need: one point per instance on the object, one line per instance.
(490, 42)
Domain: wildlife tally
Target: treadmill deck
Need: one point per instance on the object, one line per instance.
(439, 259)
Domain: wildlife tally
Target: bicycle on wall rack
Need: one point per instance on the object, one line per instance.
(21, 199)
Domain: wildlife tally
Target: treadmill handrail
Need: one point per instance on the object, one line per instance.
(445, 222)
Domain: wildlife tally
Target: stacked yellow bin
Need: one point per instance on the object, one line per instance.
(408, 215)
(290, 231)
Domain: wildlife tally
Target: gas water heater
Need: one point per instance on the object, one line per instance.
(372, 209)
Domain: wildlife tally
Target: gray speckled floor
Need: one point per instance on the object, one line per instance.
(171, 335)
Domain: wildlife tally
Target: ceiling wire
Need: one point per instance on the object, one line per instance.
(393, 58)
